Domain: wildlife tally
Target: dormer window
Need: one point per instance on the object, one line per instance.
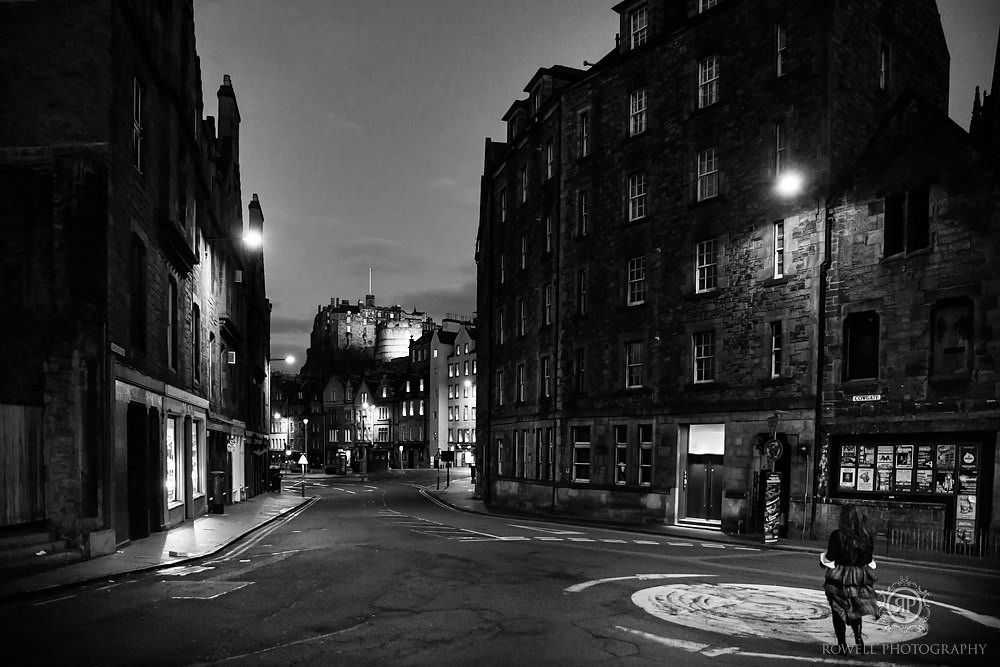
(638, 23)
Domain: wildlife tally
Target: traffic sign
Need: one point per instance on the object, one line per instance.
(303, 461)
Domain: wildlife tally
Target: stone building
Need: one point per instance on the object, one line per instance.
(649, 298)
(135, 361)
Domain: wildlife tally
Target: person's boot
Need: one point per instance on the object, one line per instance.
(859, 640)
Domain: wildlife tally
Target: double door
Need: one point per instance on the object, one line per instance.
(705, 474)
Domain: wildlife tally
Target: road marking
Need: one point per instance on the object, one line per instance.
(515, 538)
(713, 546)
(613, 541)
(183, 570)
(580, 539)
(647, 542)
(548, 538)
(45, 602)
(548, 530)
(746, 548)
(576, 588)
(665, 641)
(680, 544)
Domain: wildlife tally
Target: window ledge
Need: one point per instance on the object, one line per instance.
(707, 294)
(714, 385)
(774, 282)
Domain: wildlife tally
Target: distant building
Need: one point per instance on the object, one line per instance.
(135, 358)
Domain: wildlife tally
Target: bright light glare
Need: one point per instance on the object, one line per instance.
(290, 359)
(252, 239)
(789, 184)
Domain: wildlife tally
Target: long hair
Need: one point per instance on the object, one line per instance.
(854, 535)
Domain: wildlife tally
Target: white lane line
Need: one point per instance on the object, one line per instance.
(613, 541)
(680, 544)
(746, 548)
(576, 588)
(548, 530)
(580, 539)
(714, 546)
(647, 542)
(548, 538)
(45, 602)
(665, 641)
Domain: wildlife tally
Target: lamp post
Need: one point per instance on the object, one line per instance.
(305, 448)
(364, 447)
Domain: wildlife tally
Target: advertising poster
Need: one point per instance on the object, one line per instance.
(885, 456)
(848, 456)
(946, 456)
(925, 481)
(966, 508)
(968, 483)
(866, 455)
(944, 482)
(772, 502)
(847, 479)
(903, 480)
(925, 456)
(883, 478)
(904, 456)
(866, 479)
(969, 461)
(965, 520)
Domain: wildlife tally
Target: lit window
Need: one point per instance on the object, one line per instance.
(638, 22)
(636, 196)
(778, 231)
(708, 81)
(704, 356)
(637, 112)
(634, 361)
(708, 174)
(706, 265)
(636, 281)
(621, 454)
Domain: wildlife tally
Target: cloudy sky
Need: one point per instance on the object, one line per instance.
(364, 123)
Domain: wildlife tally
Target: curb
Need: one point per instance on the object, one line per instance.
(22, 596)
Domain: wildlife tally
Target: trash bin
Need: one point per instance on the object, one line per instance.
(216, 492)
(274, 479)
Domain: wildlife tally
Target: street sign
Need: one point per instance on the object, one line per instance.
(303, 461)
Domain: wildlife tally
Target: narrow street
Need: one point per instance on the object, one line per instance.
(377, 572)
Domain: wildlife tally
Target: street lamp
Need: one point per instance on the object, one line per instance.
(288, 359)
(305, 448)
(364, 449)
(789, 183)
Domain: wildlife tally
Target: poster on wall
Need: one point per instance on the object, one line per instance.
(969, 461)
(944, 482)
(946, 456)
(903, 480)
(965, 520)
(925, 481)
(904, 456)
(848, 456)
(866, 479)
(866, 455)
(883, 477)
(968, 483)
(885, 456)
(772, 505)
(847, 479)
(966, 508)
(925, 456)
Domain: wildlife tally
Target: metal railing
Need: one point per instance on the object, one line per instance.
(974, 544)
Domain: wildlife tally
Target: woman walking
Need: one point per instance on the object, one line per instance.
(850, 575)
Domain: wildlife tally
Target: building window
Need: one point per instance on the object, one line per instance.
(522, 182)
(780, 148)
(708, 81)
(583, 212)
(634, 360)
(522, 316)
(499, 396)
(502, 265)
(704, 356)
(884, 66)
(637, 196)
(907, 221)
(637, 112)
(547, 304)
(706, 265)
(777, 345)
(138, 127)
(548, 233)
(500, 327)
(861, 345)
(579, 371)
(581, 453)
(951, 343)
(621, 454)
(708, 174)
(638, 24)
(196, 476)
(465, 367)
(138, 297)
(546, 377)
(581, 292)
(500, 457)
(780, 50)
(524, 251)
(520, 383)
(503, 204)
(550, 159)
(636, 281)
(645, 454)
(196, 340)
(173, 481)
(583, 133)
(706, 4)
(778, 232)
(172, 323)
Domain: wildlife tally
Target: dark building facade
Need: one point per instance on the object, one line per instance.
(649, 298)
(137, 364)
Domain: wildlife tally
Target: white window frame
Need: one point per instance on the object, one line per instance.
(502, 196)
(636, 278)
(582, 455)
(638, 22)
(704, 5)
(548, 232)
(621, 454)
(708, 81)
(546, 376)
(138, 127)
(581, 291)
(583, 131)
(708, 174)
(524, 251)
(778, 248)
(547, 303)
(780, 148)
(637, 196)
(645, 454)
(522, 316)
(703, 345)
(520, 383)
(499, 395)
(550, 159)
(706, 264)
(780, 49)
(522, 178)
(637, 105)
(777, 347)
(583, 212)
(635, 352)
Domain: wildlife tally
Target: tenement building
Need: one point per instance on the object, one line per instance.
(652, 249)
(135, 352)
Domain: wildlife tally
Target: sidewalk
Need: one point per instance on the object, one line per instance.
(460, 494)
(192, 539)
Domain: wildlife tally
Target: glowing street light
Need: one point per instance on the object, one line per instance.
(789, 184)
(253, 239)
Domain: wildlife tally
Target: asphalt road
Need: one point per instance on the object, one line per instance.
(376, 573)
